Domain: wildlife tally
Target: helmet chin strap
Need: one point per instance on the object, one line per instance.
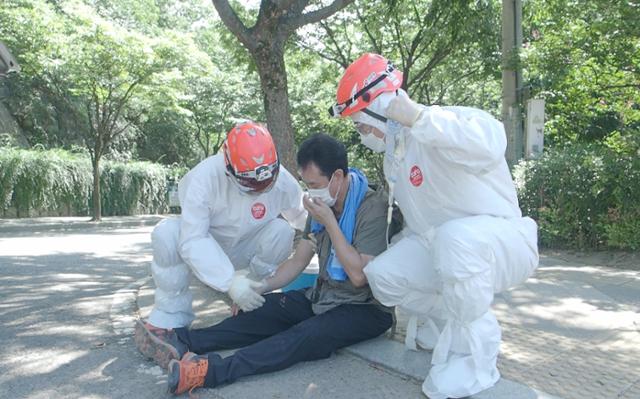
(375, 115)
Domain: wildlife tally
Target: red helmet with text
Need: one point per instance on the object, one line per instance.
(251, 158)
(362, 82)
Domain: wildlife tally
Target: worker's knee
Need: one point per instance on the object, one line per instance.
(459, 252)
(172, 279)
(275, 244)
(388, 286)
(164, 241)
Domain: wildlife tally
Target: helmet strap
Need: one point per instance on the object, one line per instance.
(374, 115)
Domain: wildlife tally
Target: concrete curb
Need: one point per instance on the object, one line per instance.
(124, 308)
(393, 356)
(64, 224)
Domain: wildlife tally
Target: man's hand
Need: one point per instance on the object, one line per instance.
(319, 210)
(403, 109)
(246, 293)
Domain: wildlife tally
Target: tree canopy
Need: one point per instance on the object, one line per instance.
(192, 78)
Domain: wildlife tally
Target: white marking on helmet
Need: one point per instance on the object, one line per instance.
(372, 76)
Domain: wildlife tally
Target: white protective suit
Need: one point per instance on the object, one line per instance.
(220, 229)
(465, 240)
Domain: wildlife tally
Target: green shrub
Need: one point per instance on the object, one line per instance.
(57, 181)
(583, 196)
(133, 188)
(43, 180)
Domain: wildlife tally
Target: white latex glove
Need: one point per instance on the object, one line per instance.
(246, 293)
(403, 109)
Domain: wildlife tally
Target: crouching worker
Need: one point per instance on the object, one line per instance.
(346, 227)
(231, 207)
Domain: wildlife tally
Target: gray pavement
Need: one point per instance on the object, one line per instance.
(71, 290)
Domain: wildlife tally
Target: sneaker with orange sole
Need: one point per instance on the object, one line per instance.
(187, 374)
(160, 344)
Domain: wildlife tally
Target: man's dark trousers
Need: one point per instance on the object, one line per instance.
(283, 332)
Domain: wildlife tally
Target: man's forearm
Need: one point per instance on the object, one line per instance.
(352, 261)
(286, 273)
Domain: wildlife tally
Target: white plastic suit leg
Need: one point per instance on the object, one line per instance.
(401, 276)
(172, 307)
(469, 259)
(476, 257)
(269, 247)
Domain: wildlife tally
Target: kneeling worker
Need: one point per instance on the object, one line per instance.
(347, 221)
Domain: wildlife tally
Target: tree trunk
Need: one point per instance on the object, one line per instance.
(273, 80)
(97, 205)
(277, 21)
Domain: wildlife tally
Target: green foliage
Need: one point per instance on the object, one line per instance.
(447, 50)
(196, 80)
(57, 181)
(43, 180)
(134, 188)
(38, 109)
(583, 196)
(582, 57)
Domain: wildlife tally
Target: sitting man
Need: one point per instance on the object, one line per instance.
(231, 207)
(347, 222)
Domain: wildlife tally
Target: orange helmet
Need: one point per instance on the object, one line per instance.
(251, 157)
(362, 82)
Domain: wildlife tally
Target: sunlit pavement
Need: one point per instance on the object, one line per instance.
(70, 291)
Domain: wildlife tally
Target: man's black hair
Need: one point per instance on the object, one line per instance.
(327, 153)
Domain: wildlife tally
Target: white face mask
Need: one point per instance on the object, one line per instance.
(245, 191)
(324, 195)
(373, 142)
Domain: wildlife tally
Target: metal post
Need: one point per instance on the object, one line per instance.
(512, 79)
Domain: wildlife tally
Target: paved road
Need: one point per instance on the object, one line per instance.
(57, 290)
(69, 291)
(63, 311)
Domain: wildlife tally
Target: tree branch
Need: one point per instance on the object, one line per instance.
(344, 61)
(327, 57)
(320, 14)
(404, 54)
(96, 104)
(130, 122)
(433, 62)
(125, 98)
(433, 20)
(90, 117)
(363, 22)
(198, 134)
(282, 4)
(622, 86)
(235, 25)
(444, 88)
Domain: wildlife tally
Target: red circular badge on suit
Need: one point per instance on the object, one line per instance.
(258, 210)
(415, 176)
